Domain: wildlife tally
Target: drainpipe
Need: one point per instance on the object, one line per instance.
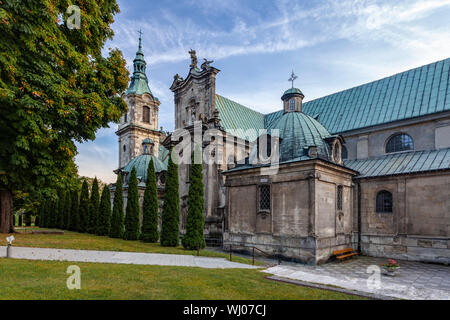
(359, 216)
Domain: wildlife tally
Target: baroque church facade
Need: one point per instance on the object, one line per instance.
(367, 167)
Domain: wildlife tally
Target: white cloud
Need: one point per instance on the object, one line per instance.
(294, 27)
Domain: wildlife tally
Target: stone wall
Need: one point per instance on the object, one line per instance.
(418, 228)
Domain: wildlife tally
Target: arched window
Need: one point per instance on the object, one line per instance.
(291, 105)
(146, 114)
(399, 142)
(125, 118)
(344, 153)
(384, 201)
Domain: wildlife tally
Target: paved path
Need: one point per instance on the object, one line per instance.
(415, 280)
(121, 257)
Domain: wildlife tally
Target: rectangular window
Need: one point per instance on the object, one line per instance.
(339, 198)
(146, 114)
(264, 197)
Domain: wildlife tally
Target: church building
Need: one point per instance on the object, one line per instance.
(367, 167)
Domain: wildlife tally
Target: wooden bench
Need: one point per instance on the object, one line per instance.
(344, 254)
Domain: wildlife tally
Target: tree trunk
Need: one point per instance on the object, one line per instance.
(6, 211)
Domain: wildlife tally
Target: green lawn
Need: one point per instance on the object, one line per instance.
(84, 241)
(25, 279)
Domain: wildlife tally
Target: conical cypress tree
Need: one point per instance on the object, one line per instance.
(74, 220)
(41, 215)
(61, 210)
(67, 206)
(132, 211)
(52, 213)
(44, 216)
(84, 208)
(170, 228)
(149, 232)
(116, 230)
(194, 237)
(104, 216)
(94, 206)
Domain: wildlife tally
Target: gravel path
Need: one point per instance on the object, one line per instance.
(121, 257)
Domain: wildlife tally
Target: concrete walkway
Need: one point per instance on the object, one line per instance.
(414, 281)
(121, 257)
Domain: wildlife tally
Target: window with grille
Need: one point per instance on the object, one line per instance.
(291, 105)
(264, 198)
(146, 114)
(339, 198)
(399, 142)
(384, 201)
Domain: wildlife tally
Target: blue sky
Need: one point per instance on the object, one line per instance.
(331, 45)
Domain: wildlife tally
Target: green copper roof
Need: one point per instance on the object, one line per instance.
(417, 92)
(236, 116)
(147, 140)
(298, 132)
(401, 163)
(293, 91)
(141, 164)
(139, 81)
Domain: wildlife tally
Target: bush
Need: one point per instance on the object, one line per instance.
(116, 230)
(149, 232)
(170, 228)
(132, 211)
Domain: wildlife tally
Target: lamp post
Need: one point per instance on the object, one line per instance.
(10, 239)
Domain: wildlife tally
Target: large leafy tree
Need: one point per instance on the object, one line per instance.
(104, 217)
(94, 206)
(170, 224)
(194, 237)
(132, 211)
(149, 232)
(56, 88)
(116, 230)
